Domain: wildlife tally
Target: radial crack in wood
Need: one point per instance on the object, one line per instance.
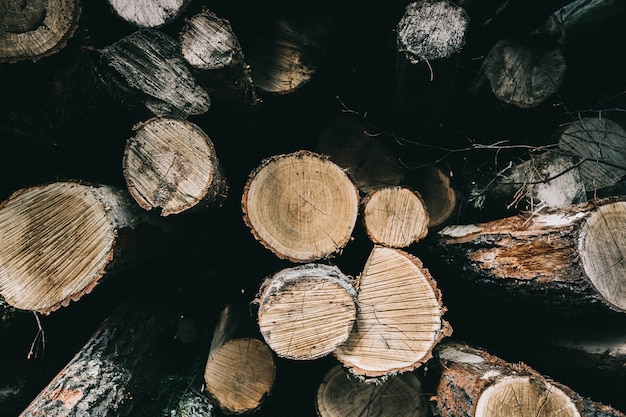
(399, 320)
(301, 206)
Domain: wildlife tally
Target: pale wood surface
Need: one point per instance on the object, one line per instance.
(301, 206)
(170, 164)
(148, 13)
(399, 319)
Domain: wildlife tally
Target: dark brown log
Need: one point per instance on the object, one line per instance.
(35, 29)
(148, 13)
(400, 317)
(170, 164)
(339, 395)
(477, 384)
(438, 192)
(307, 311)
(567, 258)
(146, 71)
(301, 206)
(58, 240)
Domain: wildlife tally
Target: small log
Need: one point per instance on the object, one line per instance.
(239, 371)
(145, 71)
(399, 320)
(58, 240)
(567, 258)
(475, 383)
(395, 217)
(352, 144)
(35, 29)
(301, 206)
(171, 164)
(339, 395)
(597, 144)
(148, 13)
(214, 53)
(307, 311)
(437, 191)
(526, 72)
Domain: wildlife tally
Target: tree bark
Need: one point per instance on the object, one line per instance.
(58, 240)
(171, 165)
(395, 217)
(338, 395)
(567, 258)
(301, 206)
(475, 383)
(306, 312)
(146, 71)
(148, 13)
(35, 29)
(399, 320)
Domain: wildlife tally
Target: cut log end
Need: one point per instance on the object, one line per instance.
(440, 197)
(148, 13)
(171, 164)
(35, 29)
(395, 217)
(307, 311)
(399, 320)
(301, 206)
(401, 395)
(56, 243)
(240, 374)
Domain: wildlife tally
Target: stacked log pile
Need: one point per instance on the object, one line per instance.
(332, 209)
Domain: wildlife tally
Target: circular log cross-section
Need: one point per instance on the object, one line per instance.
(399, 396)
(399, 320)
(307, 311)
(34, 29)
(395, 217)
(148, 13)
(431, 30)
(57, 241)
(239, 374)
(171, 164)
(435, 188)
(599, 144)
(301, 206)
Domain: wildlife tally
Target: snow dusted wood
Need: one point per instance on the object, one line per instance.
(395, 216)
(145, 70)
(435, 187)
(474, 383)
(352, 144)
(400, 317)
(301, 206)
(58, 240)
(148, 13)
(526, 72)
(598, 146)
(212, 50)
(431, 30)
(305, 312)
(565, 258)
(340, 395)
(31, 30)
(171, 165)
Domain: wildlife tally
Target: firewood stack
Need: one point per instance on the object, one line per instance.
(379, 208)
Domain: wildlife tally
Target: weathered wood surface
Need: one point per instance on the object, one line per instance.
(148, 13)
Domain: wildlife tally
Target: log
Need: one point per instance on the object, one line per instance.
(354, 145)
(239, 371)
(340, 395)
(301, 206)
(567, 259)
(36, 29)
(399, 320)
(307, 311)
(148, 13)
(436, 188)
(212, 50)
(395, 217)
(146, 72)
(58, 241)
(475, 383)
(171, 165)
